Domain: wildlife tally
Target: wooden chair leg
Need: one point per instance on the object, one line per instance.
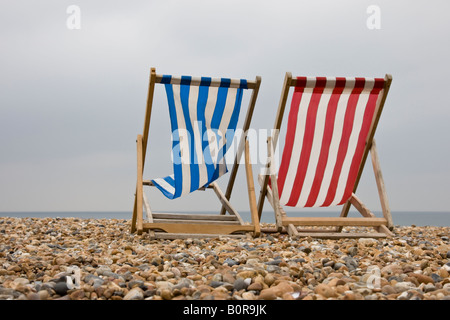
(274, 185)
(380, 185)
(133, 219)
(251, 191)
(139, 186)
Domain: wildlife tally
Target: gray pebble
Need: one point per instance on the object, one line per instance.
(305, 250)
(240, 284)
(274, 262)
(184, 283)
(9, 292)
(353, 251)
(436, 277)
(61, 288)
(135, 283)
(351, 263)
(216, 284)
(230, 262)
(429, 287)
(338, 265)
(329, 264)
(273, 268)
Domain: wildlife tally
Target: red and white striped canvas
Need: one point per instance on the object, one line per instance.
(329, 122)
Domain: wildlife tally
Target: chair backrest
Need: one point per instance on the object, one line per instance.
(330, 122)
(204, 113)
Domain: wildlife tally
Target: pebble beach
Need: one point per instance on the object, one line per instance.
(99, 259)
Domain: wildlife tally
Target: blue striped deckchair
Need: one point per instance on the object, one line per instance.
(204, 114)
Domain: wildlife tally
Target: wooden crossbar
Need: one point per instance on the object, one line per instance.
(338, 235)
(165, 235)
(215, 82)
(196, 221)
(184, 216)
(198, 228)
(330, 221)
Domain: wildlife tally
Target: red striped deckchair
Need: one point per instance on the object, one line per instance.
(204, 115)
(330, 131)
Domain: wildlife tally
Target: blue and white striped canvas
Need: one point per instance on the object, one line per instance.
(203, 120)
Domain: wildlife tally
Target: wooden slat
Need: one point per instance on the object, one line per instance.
(251, 191)
(150, 183)
(139, 188)
(325, 221)
(380, 185)
(273, 230)
(197, 228)
(165, 235)
(240, 149)
(276, 127)
(147, 208)
(292, 230)
(225, 203)
(317, 230)
(215, 82)
(148, 211)
(193, 216)
(274, 184)
(269, 195)
(357, 203)
(196, 221)
(369, 140)
(339, 235)
(148, 112)
(361, 207)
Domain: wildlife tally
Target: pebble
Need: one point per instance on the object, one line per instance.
(429, 287)
(38, 254)
(135, 294)
(248, 296)
(269, 279)
(388, 289)
(268, 294)
(61, 288)
(240, 284)
(230, 262)
(403, 286)
(421, 278)
(77, 294)
(255, 286)
(325, 290)
(353, 251)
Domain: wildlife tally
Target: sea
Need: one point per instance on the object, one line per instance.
(400, 218)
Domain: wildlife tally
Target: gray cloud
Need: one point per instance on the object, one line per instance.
(73, 101)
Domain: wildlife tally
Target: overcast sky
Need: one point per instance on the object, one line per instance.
(72, 101)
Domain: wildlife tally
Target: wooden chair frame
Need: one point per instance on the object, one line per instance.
(383, 226)
(173, 225)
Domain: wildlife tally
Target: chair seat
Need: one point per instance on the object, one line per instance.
(172, 225)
